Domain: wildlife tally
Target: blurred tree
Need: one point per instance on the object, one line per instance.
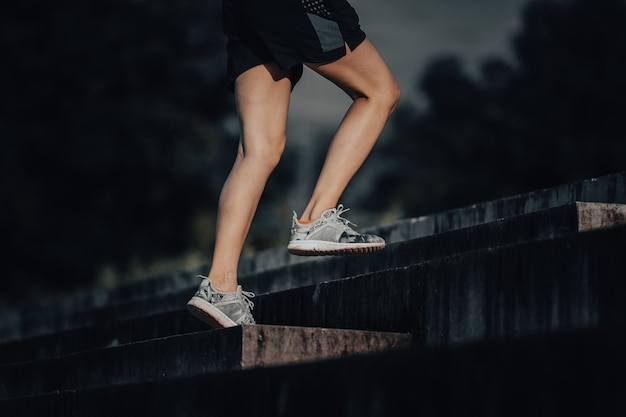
(112, 134)
(570, 89)
(554, 116)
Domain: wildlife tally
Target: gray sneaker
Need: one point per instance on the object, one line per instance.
(331, 234)
(221, 309)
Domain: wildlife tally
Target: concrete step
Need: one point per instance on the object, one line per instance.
(538, 273)
(542, 224)
(526, 288)
(600, 215)
(242, 347)
(606, 189)
(578, 373)
(533, 286)
(106, 333)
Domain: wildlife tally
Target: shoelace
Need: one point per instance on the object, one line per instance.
(338, 212)
(247, 295)
(248, 318)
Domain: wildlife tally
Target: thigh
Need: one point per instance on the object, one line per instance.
(262, 96)
(361, 72)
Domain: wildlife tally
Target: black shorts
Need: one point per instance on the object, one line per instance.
(288, 32)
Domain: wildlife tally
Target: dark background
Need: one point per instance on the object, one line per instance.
(117, 133)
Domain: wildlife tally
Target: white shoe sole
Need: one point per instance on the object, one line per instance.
(208, 313)
(321, 247)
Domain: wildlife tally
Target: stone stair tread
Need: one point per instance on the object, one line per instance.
(564, 374)
(538, 225)
(605, 189)
(549, 285)
(414, 298)
(592, 215)
(241, 347)
(102, 334)
(545, 223)
(486, 303)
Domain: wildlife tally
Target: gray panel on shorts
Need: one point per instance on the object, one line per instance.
(327, 31)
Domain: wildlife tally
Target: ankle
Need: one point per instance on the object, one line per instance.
(221, 286)
(224, 281)
(313, 213)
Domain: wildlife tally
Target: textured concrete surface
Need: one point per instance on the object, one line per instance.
(540, 224)
(14, 323)
(606, 189)
(191, 354)
(520, 315)
(565, 375)
(469, 252)
(279, 345)
(598, 215)
(528, 288)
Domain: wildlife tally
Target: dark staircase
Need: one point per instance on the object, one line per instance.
(512, 307)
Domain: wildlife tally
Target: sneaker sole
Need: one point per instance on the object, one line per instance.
(208, 313)
(323, 248)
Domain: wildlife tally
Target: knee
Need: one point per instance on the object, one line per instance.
(266, 152)
(274, 152)
(386, 95)
(391, 95)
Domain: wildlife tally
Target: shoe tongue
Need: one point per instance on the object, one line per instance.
(329, 212)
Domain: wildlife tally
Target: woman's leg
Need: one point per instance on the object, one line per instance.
(365, 77)
(262, 97)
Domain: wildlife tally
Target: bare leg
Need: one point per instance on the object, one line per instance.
(262, 97)
(364, 76)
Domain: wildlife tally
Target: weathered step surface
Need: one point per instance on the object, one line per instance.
(546, 223)
(106, 333)
(559, 375)
(532, 287)
(484, 251)
(241, 347)
(606, 189)
(141, 319)
(599, 215)
(541, 224)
